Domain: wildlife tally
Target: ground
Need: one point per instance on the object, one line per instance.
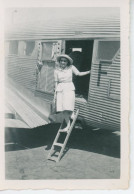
(90, 154)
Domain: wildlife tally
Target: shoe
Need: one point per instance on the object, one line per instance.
(67, 127)
(72, 116)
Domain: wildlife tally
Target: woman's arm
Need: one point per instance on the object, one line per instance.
(56, 83)
(83, 73)
(78, 73)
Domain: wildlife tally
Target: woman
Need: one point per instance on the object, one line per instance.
(64, 87)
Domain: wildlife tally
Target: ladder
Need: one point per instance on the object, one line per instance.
(52, 154)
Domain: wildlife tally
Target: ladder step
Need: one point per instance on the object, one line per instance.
(53, 158)
(51, 152)
(58, 144)
(62, 131)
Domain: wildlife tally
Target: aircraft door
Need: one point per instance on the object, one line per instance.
(47, 53)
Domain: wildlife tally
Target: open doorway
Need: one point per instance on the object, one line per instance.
(81, 53)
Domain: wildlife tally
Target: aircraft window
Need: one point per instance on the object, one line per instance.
(7, 44)
(47, 50)
(26, 48)
(107, 49)
(50, 50)
(30, 46)
(13, 47)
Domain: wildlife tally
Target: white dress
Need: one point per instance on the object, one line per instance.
(65, 91)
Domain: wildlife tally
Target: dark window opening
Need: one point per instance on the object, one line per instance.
(81, 53)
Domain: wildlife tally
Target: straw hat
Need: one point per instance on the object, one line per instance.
(65, 56)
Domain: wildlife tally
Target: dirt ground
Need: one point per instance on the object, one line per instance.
(90, 154)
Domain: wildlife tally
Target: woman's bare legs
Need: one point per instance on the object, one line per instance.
(67, 115)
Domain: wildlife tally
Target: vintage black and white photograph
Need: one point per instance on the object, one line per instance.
(62, 93)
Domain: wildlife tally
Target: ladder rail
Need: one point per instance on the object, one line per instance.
(55, 140)
(68, 135)
(62, 146)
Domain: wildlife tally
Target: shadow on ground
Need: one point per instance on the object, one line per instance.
(98, 141)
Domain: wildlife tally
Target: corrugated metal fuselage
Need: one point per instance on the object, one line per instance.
(101, 108)
(95, 38)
